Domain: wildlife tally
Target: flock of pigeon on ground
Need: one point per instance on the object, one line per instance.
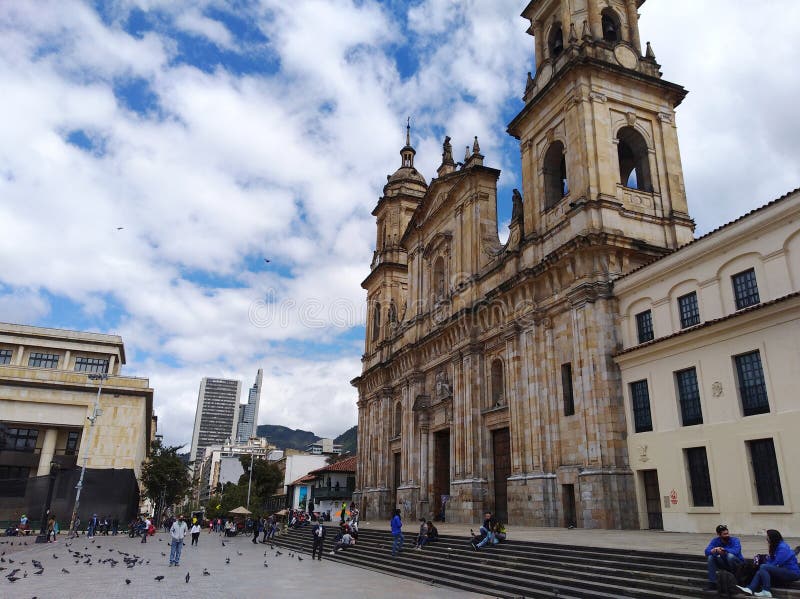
(130, 560)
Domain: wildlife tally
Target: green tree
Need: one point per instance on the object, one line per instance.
(165, 477)
(267, 477)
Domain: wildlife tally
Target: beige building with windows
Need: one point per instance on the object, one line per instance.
(710, 372)
(46, 400)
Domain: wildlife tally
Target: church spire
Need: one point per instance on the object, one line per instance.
(408, 152)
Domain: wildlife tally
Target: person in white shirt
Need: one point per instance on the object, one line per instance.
(178, 532)
(195, 532)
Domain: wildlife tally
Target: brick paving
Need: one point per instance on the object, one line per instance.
(245, 576)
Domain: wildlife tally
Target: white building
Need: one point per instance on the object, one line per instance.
(710, 373)
(324, 447)
(217, 415)
(248, 413)
(221, 464)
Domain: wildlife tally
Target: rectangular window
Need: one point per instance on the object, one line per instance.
(752, 389)
(20, 439)
(697, 462)
(84, 364)
(566, 389)
(13, 481)
(5, 356)
(689, 397)
(644, 326)
(40, 360)
(640, 398)
(689, 312)
(745, 289)
(765, 472)
(72, 443)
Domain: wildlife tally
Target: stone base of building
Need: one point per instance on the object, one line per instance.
(374, 504)
(533, 500)
(607, 499)
(467, 500)
(408, 502)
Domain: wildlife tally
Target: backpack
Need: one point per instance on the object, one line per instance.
(745, 572)
(726, 584)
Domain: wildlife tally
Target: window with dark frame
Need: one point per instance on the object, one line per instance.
(566, 389)
(640, 400)
(13, 481)
(689, 397)
(20, 439)
(699, 479)
(72, 443)
(96, 365)
(42, 360)
(5, 356)
(752, 388)
(644, 326)
(688, 310)
(745, 289)
(765, 472)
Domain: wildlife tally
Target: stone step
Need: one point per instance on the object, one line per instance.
(528, 569)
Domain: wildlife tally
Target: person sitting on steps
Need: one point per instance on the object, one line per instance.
(488, 531)
(781, 565)
(724, 552)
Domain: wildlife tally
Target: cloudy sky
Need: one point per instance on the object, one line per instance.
(218, 134)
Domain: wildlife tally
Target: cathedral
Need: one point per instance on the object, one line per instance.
(489, 379)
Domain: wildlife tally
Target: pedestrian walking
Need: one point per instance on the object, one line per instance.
(256, 530)
(195, 532)
(177, 532)
(318, 536)
(397, 533)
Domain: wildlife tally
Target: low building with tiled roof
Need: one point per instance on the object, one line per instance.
(709, 366)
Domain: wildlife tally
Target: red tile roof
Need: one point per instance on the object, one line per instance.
(345, 465)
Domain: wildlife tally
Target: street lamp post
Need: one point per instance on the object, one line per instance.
(250, 482)
(96, 411)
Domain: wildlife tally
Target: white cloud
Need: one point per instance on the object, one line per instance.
(194, 22)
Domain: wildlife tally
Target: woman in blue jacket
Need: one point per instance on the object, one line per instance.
(397, 533)
(781, 565)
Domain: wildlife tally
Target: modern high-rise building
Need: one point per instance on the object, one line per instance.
(217, 414)
(248, 413)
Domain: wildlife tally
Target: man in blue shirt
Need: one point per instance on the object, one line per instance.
(724, 552)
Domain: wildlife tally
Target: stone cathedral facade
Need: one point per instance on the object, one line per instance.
(488, 378)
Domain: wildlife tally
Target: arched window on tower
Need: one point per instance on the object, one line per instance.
(438, 279)
(376, 322)
(634, 161)
(610, 25)
(498, 383)
(555, 41)
(392, 314)
(398, 419)
(555, 175)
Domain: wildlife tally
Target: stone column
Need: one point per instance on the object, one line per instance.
(424, 442)
(48, 451)
(112, 362)
(18, 357)
(633, 25)
(538, 43)
(595, 26)
(67, 356)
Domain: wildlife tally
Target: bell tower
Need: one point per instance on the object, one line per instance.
(387, 283)
(597, 134)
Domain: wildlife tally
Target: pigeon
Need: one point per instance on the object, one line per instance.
(163, 554)
(265, 554)
(13, 573)
(127, 581)
(223, 543)
(227, 560)
(12, 578)
(277, 553)
(64, 571)
(55, 556)
(266, 565)
(187, 578)
(39, 572)
(36, 563)
(159, 578)
(206, 572)
(239, 552)
(299, 558)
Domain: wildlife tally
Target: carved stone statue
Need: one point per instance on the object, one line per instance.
(447, 151)
(443, 388)
(516, 210)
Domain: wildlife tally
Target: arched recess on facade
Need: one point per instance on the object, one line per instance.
(554, 168)
(391, 315)
(376, 321)
(397, 421)
(555, 41)
(634, 160)
(610, 22)
(438, 279)
(497, 383)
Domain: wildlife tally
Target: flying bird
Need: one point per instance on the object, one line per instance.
(120, 228)
(266, 260)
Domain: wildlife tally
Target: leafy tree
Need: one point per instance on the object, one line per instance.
(267, 477)
(165, 476)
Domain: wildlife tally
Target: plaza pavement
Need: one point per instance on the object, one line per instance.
(244, 577)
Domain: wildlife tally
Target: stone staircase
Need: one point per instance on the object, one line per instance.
(517, 569)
